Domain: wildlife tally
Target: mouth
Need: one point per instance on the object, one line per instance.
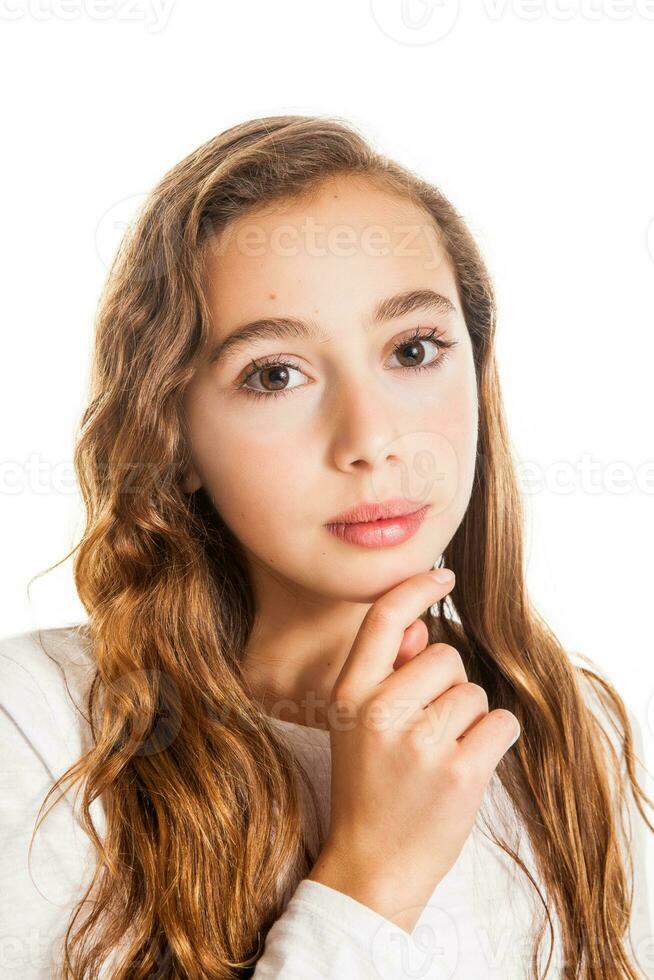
(382, 532)
(367, 513)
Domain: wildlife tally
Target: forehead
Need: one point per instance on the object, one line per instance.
(344, 243)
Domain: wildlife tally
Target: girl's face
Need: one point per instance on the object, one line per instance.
(344, 418)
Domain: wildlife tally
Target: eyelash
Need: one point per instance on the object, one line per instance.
(445, 346)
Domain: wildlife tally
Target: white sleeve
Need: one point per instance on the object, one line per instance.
(322, 933)
(35, 901)
(640, 942)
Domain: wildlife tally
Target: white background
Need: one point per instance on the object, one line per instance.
(534, 118)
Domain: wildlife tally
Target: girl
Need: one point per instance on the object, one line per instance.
(291, 750)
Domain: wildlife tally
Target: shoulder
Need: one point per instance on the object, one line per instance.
(45, 677)
(46, 858)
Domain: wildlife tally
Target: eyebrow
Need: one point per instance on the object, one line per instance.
(283, 328)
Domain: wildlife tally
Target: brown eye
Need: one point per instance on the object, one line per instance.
(412, 352)
(276, 377)
(274, 374)
(273, 378)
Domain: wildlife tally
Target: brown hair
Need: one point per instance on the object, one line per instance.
(200, 795)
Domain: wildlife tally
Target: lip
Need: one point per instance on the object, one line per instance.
(380, 533)
(366, 513)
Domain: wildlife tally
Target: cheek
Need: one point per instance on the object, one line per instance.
(252, 476)
(464, 435)
(447, 460)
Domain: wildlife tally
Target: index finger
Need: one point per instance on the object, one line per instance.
(380, 635)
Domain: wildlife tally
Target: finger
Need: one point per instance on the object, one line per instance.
(488, 740)
(378, 640)
(454, 712)
(425, 678)
(416, 638)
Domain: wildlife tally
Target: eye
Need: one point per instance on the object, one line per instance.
(276, 372)
(415, 346)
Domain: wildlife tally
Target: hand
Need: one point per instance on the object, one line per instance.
(406, 785)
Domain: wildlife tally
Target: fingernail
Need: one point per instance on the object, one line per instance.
(442, 575)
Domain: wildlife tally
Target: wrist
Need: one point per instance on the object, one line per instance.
(378, 893)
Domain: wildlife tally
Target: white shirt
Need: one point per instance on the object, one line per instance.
(478, 923)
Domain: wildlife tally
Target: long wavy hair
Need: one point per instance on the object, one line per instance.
(201, 795)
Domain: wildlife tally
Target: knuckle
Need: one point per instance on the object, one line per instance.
(342, 696)
(452, 655)
(379, 617)
(446, 649)
(419, 744)
(375, 707)
(474, 692)
(376, 716)
(505, 718)
(434, 650)
(456, 774)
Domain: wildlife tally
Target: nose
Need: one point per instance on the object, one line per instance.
(365, 432)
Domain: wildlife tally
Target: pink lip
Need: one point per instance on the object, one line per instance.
(380, 533)
(367, 512)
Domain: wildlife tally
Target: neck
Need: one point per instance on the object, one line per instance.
(295, 654)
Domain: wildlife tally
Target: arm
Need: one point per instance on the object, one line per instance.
(322, 934)
(326, 934)
(35, 901)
